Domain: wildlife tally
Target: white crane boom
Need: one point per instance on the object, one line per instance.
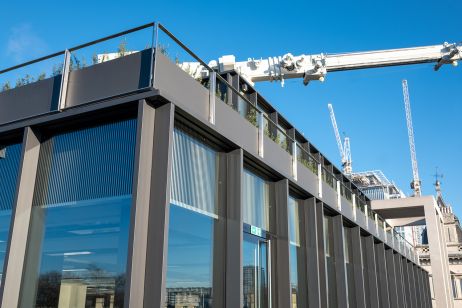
(344, 149)
(415, 184)
(316, 66)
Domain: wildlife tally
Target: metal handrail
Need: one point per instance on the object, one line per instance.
(151, 24)
(308, 153)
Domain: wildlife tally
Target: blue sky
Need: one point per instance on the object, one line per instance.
(368, 103)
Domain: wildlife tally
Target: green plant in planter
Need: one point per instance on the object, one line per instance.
(251, 116)
(6, 86)
(122, 49)
(42, 76)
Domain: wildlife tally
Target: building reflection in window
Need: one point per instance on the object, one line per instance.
(77, 249)
(298, 279)
(193, 218)
(10, 157)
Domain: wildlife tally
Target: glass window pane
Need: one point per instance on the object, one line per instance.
(10, 157)
(298, 279)
(194, 174)
(255, 201)
(192, 223)
(77, 250)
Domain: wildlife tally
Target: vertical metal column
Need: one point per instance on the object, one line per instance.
(358, 267)
(412, 286)
(418, 283)
(372, 272)
(142, 183)
(154, 203)
(438, 256)
(310, 235)
(428, 295)
(321, 254)
(407, 286)
(280, 272)
(340, 266)
(234, 230)
(399, 280)
(21, 216)
(392, 280)
(381, 268)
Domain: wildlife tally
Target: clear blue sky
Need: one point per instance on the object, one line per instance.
(368, 103)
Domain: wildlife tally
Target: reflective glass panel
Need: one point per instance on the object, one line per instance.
(298, 280)
(255, 284)
(256, 201)
(10, 157)
(78, 240)
(192, 224)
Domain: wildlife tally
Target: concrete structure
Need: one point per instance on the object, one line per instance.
(155, 189)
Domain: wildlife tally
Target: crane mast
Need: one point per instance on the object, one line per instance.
(415, 184)
(344, 149)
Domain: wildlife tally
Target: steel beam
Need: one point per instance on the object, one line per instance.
(311, 236)
(381, 268)
(340, 266)
(280, 272)
(358, 267)
(234, 229)
(15, 259)
(156, 206)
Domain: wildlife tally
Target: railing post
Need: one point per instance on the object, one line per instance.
(294, 159)
(366, 212)
(339, 197)
(64, 80)
(212, 93)
(353, 200)
(376, 219)
(320, 180)
(260, 134)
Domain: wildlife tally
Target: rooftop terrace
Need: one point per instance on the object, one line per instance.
(84, 75)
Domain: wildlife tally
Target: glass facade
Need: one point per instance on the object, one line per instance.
(330, 261)
(10, 157)
(350, 272)
(256, 268)
(255, 272)
(255, 201)
(193, 219)
(78, 240)
(298, 280)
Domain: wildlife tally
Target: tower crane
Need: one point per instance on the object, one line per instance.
(316, 66)
(415, 184)
(344, 149)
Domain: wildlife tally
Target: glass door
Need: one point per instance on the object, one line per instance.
(256, 272)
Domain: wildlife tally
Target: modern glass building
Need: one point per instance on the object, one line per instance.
(143, 180)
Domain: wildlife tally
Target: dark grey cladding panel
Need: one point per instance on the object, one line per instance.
(180, 88)
(231, 124)
(30, 100)
(329, 195)
(307, 179)
(277, 157)
(109, 78)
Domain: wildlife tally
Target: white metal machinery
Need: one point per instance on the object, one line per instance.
(344, 148)
(415, 184)
(316, 66)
